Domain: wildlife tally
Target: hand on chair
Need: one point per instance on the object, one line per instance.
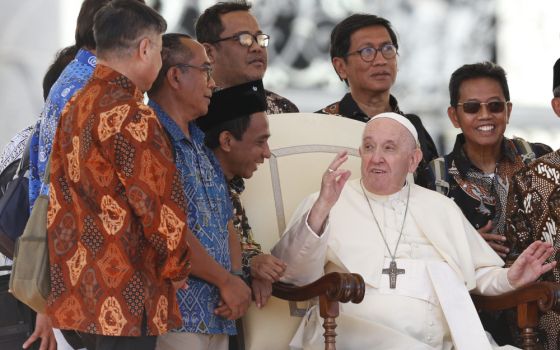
(267, 267)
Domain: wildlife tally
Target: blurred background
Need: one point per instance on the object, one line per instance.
(435, 38)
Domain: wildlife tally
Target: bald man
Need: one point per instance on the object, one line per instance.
(404, 240)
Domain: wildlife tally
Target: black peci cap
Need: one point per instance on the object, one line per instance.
(232, 103)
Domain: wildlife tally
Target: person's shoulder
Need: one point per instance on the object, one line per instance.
(333, 108)
(277, 104)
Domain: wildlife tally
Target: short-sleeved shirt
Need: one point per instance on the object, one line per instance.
(116, 223)
(72, 79)
(209, 210)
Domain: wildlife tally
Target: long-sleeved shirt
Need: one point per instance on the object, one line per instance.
(116, 220)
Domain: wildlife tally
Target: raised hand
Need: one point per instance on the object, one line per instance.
(332, 184)
(530, 265)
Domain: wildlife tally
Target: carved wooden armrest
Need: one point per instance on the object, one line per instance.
(331, 289)
(529, 300)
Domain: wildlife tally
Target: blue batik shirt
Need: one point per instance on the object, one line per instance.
(208, 212)
(73, 78)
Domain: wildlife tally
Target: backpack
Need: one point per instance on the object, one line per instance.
(14, 201)
(440, 166)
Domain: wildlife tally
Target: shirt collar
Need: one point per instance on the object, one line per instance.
(349, 107)
(112, 77)
(462, 161)
(237, 184)
(173, 129)
(86, 57)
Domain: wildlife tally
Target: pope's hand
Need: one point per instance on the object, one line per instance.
(332, 184)
(530, 265)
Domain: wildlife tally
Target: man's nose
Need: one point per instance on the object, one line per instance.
(266, 152)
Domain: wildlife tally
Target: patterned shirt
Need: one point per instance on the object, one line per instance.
(14, 149)
(73, 78)
(534, 215)
(209, 210)
(249, 247)
(276, 104)
(116, 221)
(347, 107)
(483, 197)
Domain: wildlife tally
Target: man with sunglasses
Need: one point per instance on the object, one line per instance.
(215, 297)
(534, 214)
(237, 49)
(364, 51)
(477, 173)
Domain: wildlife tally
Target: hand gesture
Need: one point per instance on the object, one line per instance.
(332, 184)
(267, 267)
(495, 241)
(530, 264)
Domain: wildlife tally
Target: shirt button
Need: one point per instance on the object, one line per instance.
(429, 338)
(431, 323)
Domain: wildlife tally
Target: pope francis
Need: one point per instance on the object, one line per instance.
(417, 253)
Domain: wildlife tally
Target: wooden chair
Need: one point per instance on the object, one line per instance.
(302, 146)
(529, 302)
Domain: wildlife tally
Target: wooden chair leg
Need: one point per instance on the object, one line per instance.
(529, 338)
(329, 311)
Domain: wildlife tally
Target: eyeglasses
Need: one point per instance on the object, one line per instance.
(206, 68)
(247, 39)
(369, 53)
(473, 107)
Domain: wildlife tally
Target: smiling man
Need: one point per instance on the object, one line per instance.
(237, 46)
(417, 253)
(364, 52)
(477, 173)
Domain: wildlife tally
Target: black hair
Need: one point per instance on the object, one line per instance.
(209, 25)
(476, 70)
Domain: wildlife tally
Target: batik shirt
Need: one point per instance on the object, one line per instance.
(73, 78)
(209, 211)
(117, 220)
(14, 149)
(276, 104)
(534, 215)
(249, 247)
(347, 107)
(483, 197)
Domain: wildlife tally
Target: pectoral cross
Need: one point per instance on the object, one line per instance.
(392, 271)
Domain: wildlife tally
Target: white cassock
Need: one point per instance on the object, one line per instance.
(442, 254)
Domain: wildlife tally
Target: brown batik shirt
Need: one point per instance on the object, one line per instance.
(116, 219)
(534, 215)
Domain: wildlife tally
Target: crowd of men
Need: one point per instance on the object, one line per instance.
(149, 243)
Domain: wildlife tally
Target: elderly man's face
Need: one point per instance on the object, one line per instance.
(376, 76)
(235, 64)
(388, 153)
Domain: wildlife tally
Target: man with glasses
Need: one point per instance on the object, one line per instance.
(477, 173)
(216, 295)
(364, 52)
(237, 49)
(534, 214)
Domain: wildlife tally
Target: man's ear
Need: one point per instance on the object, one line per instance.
(211, 52)
(555, 103)
(416, 158)
(340, 67)
(225, 139)
(172, 77)
(143, 47)
(452, 114)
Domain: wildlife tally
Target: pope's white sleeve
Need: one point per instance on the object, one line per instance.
(302, 249)
(492, 281)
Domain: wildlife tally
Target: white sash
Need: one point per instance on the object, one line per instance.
(458, 309)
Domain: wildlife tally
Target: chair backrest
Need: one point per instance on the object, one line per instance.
(302, 147)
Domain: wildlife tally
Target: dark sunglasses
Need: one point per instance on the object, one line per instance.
(473, 107)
